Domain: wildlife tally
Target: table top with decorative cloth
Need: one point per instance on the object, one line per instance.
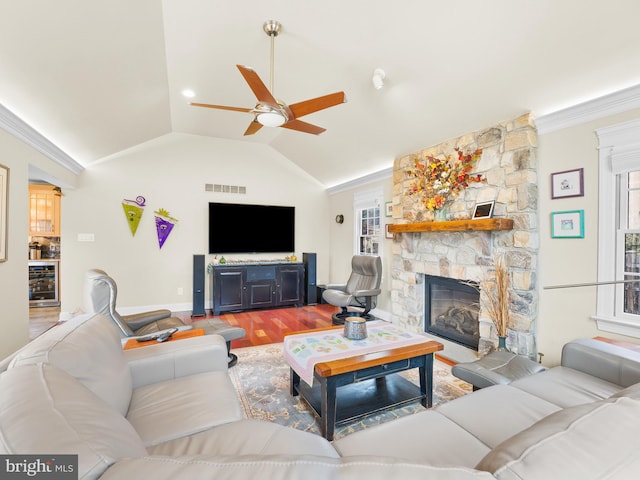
(362, 370)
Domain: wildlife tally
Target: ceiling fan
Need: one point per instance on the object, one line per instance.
(270, 112)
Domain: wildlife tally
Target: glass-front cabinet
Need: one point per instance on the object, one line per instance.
(44, 210)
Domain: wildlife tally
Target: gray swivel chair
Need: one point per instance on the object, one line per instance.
(358, 296)
(100, 292)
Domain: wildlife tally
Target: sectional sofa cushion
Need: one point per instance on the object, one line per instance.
(183, 406)
(248, 437)
(495, 413)
(426, 437)
(284, 467)
(44, 410)
(632, 391)
(595, 440)
(87, 347)
(567, 387)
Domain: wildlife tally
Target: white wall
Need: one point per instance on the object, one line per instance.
(14, 273)
(564, 314)
(342, 239)
(171, 173)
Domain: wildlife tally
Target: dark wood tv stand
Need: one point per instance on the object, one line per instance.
(246, 286)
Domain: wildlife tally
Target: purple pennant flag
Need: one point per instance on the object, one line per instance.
(164, 225)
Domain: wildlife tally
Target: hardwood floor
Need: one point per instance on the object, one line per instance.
(262, 326)
(42, 319)
(270, 326)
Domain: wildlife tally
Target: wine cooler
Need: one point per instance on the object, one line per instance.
(43, 284)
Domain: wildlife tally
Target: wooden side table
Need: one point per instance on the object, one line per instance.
(194, 332)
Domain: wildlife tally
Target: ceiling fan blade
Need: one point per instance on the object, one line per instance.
(305, 127)
(221, 107)
(320, 103)
(257, 86)
(253, 127)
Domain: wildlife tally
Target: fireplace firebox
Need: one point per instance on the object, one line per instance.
(452, 310)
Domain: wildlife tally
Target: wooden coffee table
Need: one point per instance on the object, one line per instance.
(348, 389)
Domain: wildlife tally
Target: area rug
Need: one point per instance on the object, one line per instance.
(261, 379)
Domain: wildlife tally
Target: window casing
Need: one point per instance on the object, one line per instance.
(618, 294)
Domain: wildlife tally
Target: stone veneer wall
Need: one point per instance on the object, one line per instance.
(508, 163)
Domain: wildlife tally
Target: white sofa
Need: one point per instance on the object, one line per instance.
(169, 411)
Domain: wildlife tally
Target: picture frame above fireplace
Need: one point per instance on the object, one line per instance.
(483, 210)
(388, 233)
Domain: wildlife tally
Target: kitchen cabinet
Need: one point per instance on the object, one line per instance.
(44, 211)
(251, 286)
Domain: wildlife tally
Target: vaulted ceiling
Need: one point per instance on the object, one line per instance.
(97, 77)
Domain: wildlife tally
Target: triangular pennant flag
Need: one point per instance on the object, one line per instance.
(164, 225)
(133, 210)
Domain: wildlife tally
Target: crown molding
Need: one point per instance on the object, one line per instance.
(364, 180)
(21, 130)
(611, 104)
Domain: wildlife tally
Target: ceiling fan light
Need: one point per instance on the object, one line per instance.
(270, 119)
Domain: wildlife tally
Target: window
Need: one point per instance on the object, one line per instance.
(628, 243)
(368, 232)
(618, 294)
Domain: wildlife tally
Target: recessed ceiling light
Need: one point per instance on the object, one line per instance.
(188, 93)
(378, 78)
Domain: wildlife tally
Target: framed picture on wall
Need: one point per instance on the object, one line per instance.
(4, 210)
(388, 209)
(387, 232)
(568, 224)
(569, 183)
(483, 210)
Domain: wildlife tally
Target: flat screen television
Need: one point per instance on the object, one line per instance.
(245, 228)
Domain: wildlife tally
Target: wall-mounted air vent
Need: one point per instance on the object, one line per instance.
(216, 187)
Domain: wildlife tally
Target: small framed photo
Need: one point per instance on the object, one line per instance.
(483, 210)
(567, 224)
(388, 209)
(569, 183)
(387, 232)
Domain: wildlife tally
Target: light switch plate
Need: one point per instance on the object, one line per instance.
(86, 237)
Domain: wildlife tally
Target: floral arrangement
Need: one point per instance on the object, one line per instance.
(436, 179)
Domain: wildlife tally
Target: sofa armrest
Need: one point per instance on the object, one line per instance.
(609, 362)
(165, 361)
(366, 293)
(139, 320)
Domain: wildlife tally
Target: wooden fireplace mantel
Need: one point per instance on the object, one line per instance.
(480, 224)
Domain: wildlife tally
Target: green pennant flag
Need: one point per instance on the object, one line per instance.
(133, 210)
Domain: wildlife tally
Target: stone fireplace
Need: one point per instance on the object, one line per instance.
(508, 164)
